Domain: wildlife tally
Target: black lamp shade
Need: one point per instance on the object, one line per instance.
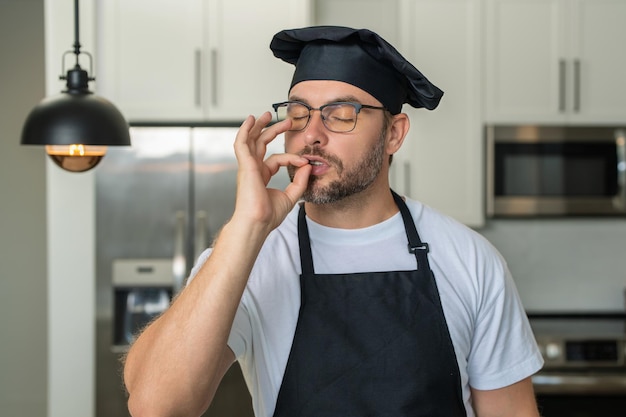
(75, 118)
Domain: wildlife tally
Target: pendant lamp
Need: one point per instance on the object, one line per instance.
(76, 126)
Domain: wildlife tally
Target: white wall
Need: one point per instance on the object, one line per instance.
(565, 264)
(23, 284)
(71, 241)
(47, 274)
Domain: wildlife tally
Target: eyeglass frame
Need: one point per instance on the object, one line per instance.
(357, 107)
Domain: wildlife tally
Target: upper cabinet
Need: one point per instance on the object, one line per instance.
(149, 57)
(166, 60)
(555, 61)
(442, 159)
(245, 77)
(191, 60)
(440, 162)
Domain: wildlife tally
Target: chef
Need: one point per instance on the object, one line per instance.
(338, 296)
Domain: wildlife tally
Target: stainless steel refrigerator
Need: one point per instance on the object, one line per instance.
(159, 204)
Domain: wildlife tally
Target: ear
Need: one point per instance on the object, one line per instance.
(397, 131)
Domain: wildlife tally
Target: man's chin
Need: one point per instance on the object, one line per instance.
(317, 193)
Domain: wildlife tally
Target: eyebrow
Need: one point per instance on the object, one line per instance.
(349, 98)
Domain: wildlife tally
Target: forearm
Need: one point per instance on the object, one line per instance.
(175, 365)
(516, 400)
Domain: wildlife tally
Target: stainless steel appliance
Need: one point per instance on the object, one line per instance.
(555, 170)
(585, 364)
(142, 289)
(158, 205)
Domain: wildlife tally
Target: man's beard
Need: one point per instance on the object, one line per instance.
(349, 183)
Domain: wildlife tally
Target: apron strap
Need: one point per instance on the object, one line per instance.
(306, 258)
(415, 242)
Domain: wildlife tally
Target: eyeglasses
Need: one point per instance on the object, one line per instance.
(339, 117)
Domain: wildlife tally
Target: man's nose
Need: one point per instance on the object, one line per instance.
(316, 132)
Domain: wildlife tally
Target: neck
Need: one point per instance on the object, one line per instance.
(367, 208)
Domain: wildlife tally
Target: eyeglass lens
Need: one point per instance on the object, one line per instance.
(339, 117)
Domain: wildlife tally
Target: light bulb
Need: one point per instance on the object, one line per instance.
(76, 157)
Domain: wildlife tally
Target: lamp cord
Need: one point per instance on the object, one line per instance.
(76, 41)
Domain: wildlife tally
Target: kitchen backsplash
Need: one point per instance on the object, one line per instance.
(564, 264)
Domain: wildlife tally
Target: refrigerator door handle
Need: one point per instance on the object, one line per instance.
(201, 232)
(179, 264)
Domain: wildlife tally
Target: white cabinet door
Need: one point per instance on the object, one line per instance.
(244, 77)
(380, 16)
(442, 159)
(600, 60)
(149, 57)
(440, 162)
(526, 66)
(555, 61)
(194, 60)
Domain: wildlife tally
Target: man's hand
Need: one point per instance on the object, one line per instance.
(255, 202)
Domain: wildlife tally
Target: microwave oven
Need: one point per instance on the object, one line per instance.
(555, 171)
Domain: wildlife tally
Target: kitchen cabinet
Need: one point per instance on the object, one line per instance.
(192, 60)
(555, 61)
(161, 62)
(440, 162)
(149, 54)
(442, 158)
(380, 16)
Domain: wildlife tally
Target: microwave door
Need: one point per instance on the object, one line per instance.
(557, 177)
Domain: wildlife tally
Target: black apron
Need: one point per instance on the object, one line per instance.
(370, 344)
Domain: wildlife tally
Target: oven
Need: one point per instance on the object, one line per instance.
(585, 364)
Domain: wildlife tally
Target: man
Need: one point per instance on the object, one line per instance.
(335, 307)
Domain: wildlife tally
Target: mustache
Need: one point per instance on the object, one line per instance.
(316, 151)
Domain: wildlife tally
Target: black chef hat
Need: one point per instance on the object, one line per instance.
(359, 57)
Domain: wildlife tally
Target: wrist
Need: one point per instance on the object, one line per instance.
(246, 230)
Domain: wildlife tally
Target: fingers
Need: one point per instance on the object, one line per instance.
(255, 172)
(275, 161)
(260, 124)
(255, 134)
(299, 184)
(301, 178)
(241, 139)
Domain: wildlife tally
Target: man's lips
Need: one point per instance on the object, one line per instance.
(315, 161)
(320, 166)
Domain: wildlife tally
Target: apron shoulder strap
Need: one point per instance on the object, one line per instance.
(415, 243)
(306, 258)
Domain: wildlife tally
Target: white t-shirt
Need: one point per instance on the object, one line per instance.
(493, 342)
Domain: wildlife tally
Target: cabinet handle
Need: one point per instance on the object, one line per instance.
(490, 170)
(214, 77)
(562, 85)
(198, 79)
(577, 85)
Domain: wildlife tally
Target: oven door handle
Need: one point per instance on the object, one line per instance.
(578, 384)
